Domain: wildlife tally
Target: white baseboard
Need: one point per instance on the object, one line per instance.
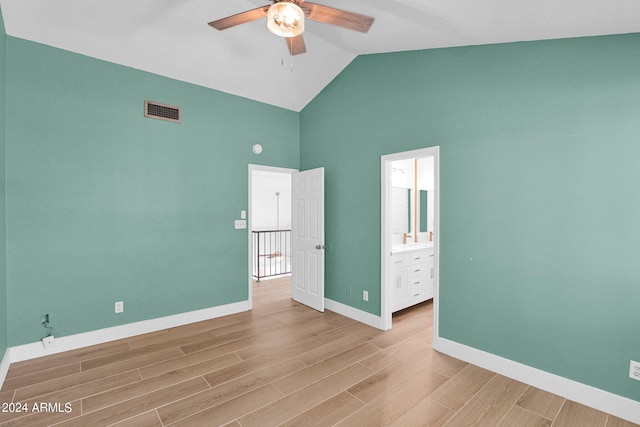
(605, 401)
(4, 367)
(353, 313)
(85, 339)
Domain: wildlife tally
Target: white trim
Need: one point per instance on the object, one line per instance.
(4, 366)
(385, 244)
(85, 339)
(353, 313)
(252, 168)
(605, 401)
(385, 226)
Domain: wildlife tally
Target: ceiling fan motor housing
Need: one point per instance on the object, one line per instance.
(285, 18)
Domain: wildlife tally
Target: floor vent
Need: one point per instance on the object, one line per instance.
(155, 110)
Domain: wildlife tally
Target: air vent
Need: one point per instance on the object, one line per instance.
(155, 110)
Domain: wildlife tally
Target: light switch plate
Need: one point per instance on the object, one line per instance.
(243, 214)
(240, 224)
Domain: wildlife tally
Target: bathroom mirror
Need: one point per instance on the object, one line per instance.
(413, 199)
(424, 211)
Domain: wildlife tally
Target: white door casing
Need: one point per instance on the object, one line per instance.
(307, 225)
(386, 227)
(252, 176)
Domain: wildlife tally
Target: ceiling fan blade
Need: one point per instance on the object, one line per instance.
(339, 17)
(296, 45)
(240, 18)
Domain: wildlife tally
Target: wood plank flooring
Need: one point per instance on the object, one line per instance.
(281, 364)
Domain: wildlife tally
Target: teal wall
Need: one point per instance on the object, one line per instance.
(3, 265)
(540, 185)
(105, 205)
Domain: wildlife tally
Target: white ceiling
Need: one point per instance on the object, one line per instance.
(172, 38)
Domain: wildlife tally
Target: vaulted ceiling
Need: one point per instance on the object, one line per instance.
(171, 37)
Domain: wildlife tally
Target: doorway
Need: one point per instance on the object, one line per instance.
(269, 215)
(414, 234)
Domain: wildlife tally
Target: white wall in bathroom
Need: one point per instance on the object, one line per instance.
(426, 173)
(402, 173)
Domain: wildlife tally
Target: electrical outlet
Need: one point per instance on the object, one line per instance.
(240, 224)
(365, 295)
(634, 370)
(119, 307)
(48, 342)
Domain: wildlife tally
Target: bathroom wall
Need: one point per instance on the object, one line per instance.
(426, 173)
(426, 183)
(402, 173)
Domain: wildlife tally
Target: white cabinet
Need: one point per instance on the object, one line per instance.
(400, 281)
(412, 277)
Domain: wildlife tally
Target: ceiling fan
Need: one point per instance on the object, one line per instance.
(285, 18)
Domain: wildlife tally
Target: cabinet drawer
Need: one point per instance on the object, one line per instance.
(400, 260)
(418, 286)
(419, 270)
(418, 280)
(420, 257)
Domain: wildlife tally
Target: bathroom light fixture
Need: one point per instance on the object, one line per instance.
(285, 18)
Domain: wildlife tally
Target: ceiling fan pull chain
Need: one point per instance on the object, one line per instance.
(291, 53)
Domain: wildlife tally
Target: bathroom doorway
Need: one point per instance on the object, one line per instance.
(415, 188)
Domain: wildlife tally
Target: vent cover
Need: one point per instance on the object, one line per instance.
(155, 110)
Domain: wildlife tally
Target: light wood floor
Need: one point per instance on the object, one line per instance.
(280, 364)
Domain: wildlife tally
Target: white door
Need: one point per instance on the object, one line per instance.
(307, 229)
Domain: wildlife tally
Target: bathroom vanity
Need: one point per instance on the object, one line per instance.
(412, 274)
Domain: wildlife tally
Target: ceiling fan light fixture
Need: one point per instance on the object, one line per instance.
(285, 19)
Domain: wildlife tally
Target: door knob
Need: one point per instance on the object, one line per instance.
(319, 246)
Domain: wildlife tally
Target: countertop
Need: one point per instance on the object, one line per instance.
(410, 247)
